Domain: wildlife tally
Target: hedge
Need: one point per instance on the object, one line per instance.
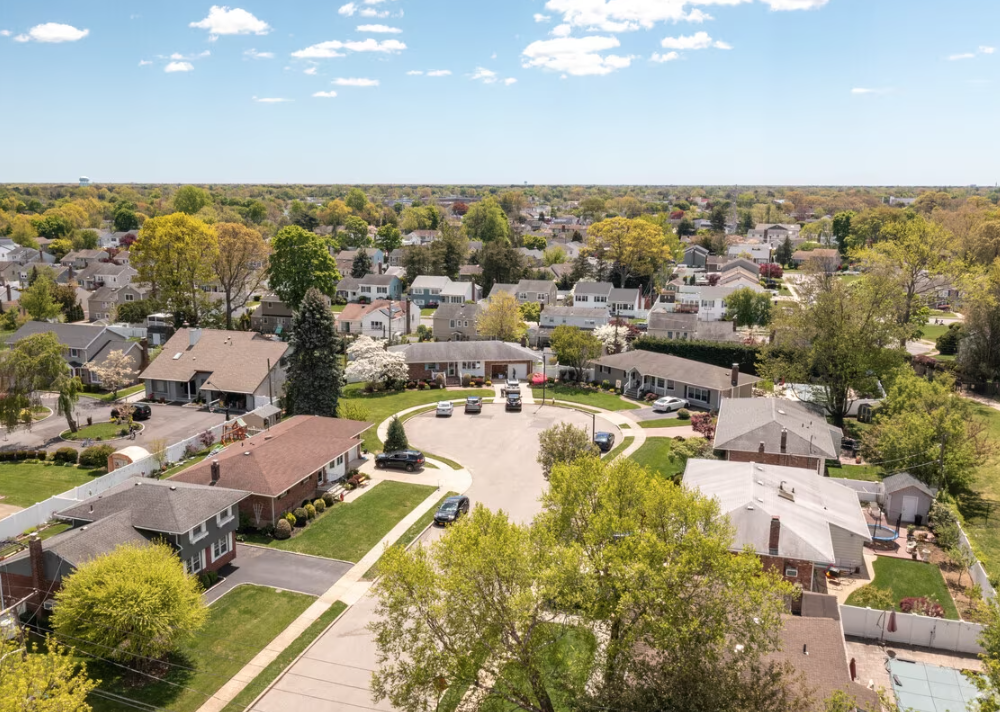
(719, 354)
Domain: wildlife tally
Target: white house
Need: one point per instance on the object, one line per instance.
(374, 319)
(604, 295)
(759, 253)
(774, 234)
(709, 303)
(370, 287)
(580, 317)
(428, 291)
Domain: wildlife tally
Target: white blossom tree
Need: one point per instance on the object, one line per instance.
(369, 361)
(117, 371)
(613, 336)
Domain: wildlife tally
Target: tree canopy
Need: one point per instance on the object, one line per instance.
(314, 374)
(300, 261)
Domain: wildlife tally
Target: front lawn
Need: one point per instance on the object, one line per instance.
(25, 483)
(584, 396)
(381, 405)
(931, 332)
(348, 530)
(865, 473)
(664, 423)
(907, 579)
(617, 450)
(656, 455)
(240, 625)
(97, 431)
(428, 311)
(412, 533)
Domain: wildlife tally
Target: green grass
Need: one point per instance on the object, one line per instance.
(912, 578)
(412, 533)
(124, 392)
(931, 332)
(337, 308)
(937, 314)
(664, 423)
(597, 399)
(865, 473)
(240, 624)
(43, 534)
(944, 357)
(25, 483)
(450, 463)
(104, 431)
(348, 530)
(184, 465)
(850, 278)
(428, 311)
(269, 674)
(985, 535)
(381, 405)
(656, 455)
(617, 449)
(783, 291)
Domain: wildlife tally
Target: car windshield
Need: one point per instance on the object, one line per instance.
(449, 506)
(603, 436)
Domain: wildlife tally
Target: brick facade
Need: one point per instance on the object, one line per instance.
(775, 458)
(17, 586)
(803, 574)
(306, 489)
(493, 370)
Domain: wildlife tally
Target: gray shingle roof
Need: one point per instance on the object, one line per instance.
(80, 545)
(445, 352)
(456, 311)
(593, 288)
(746, 422)
(903, 480)
(694, 373)
(623, 295)
(74, 336)
(535, 285)
(575, 311)
(500, 287)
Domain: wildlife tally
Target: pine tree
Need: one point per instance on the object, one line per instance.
(314, 375)
(362, 264)
(396, 438)
(783, 255)
(581, 268)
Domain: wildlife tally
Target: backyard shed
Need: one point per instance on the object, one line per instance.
(263, 418)
(907, 499)
(126, 456)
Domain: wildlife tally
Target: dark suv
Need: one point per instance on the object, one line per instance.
(513, 401)
(604, 441)
(140, 411)
(408, 460)
(451, 509)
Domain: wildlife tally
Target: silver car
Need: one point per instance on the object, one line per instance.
(669, 404)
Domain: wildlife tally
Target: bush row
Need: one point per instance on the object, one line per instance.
(301, 516)
(92, 457)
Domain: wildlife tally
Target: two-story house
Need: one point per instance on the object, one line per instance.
(759, 254)
(621, 302)
(370, 287)
(775, 234)
(539, 291)
(78, 259)
(345, 259)
(273, 317)
(428, 291)
(103, 302)
(696, 256)
(380, 320)
(85, 346)
(105, 274)
(456, 322)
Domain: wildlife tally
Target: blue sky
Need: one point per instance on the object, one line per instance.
(545, 91)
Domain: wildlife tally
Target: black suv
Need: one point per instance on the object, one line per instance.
(408, 460)
(513, 401)
(604, 441)
(451, 509)
(473, 404)
(140, 411)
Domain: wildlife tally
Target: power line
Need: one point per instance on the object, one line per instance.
(128, 701)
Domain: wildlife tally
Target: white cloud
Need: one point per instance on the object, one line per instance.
(270, 100)
(509, 81)
(983, 49)
(486, 76)
(254, 54)
(52, 32)
(697, 16)
(577, 56)
(987, 50)
(865, 90)
(4, 33)
(493, 56)
(719, 44)
(348, 10)
(372, 12)
(355, 82)
(699, 40)
(235, 21)
(964, 55)
(325, 94)
(179, 67)
(311, 71)
(439, 73)
(666, 57)
(415, 73)
(539, 17)
(329, 49)
(796, 4)
(188, 57)
(383, 29)
(629, 15)
(145, 62)
(563, 30)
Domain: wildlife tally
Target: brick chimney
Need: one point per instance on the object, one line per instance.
(760, 448)
(406, 309)
(143, 354)
(775, 536)
(784, 440)
(37, 559)
(216, 471)
(734, 376)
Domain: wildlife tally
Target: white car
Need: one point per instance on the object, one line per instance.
(445, 408)
(669, 404)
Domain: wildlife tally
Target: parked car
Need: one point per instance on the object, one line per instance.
(473, 404)
(512, 386)
(604, 441)
(451, 509)
(408, 460)
(669, 404)
(513, 401)
(140, 411)
(445, 408)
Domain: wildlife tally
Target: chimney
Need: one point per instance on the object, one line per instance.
(784, 440)
(37, 559)
(760, 448)
(775, 537)
(143, 354)
(9, 296)
(216, 471)
(734, 377)
(194, 335)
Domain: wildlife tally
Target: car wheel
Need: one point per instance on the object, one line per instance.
(409, 468)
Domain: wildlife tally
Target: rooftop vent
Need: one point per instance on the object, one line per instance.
(786, 492)
(781, 411)
(173, 488)
(177, 355)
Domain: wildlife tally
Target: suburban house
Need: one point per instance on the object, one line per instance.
(739, 277)
(907, 499)
(759, 254)
(470, 273)
(427, 291)
(741, 263)
(488, 359)
(396, 257)
(105, 274)
(708, 303)
(701, 384)
(374, 319)
(823, 260)
(421, 237)
(539, 291)
(664, 324)
(799, 524)
(600, 295)
(456, 322)
(345, 259)
(370, 287)
(240, 369)
(78, 259)
(283, 467)
(85, 346)
(776, 431)
(587, 319)
(198, 522)
(502, 287)
(775, 234)
(104, 301)
(28, 255)
(695, 256)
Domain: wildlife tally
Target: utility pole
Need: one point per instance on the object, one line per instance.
(270, 392)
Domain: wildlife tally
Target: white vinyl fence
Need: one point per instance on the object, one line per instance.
(953, 636)
(866, 491)
(40, 513)
(977, 572)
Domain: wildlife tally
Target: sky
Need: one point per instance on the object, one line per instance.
(776, 92)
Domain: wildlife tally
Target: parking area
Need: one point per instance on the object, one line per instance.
(641, 414)
(279, 569)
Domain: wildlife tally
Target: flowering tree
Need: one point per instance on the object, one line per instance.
(616, 335)
(371, 363)
(704, 424)
(772, 270)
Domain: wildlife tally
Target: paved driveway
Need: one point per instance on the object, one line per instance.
(641, 414)
(280, 569)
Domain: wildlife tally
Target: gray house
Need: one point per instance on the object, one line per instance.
(84, 346)
(456, 322)
(907, 499)
(542, 292)
(370, 287)
(695, 256)
(199, 522)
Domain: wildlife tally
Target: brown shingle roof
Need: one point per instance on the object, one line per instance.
(273, 461)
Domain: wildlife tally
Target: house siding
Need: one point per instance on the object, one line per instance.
(847, 548)
(894, 503)
(803, 574)
(776, 458)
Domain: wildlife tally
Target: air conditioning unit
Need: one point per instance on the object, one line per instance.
(49, 604)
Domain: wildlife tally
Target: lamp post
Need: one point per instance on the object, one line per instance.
(545, 376)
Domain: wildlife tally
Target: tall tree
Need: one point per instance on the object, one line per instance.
(575, 348)
(747, 307)
(979, 351)
(42, 679)
(450, 251)
(240, 265)
(174, 254)
(29, 367)
(486, 222)
(362, 264)
(299, 261)
(783, 255)
(564, 444)
(125, 218)
(842, 229)
(190, 199)
(635, 247)
(418, 260)
(500, 319)
(355, 233)
(39, 299)
(314, 376)
(116, 371)
(356, 200)
(501, 263)
(388, 238)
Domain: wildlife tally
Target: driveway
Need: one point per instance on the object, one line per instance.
(641, 414)
(173, 423)
(279, 569)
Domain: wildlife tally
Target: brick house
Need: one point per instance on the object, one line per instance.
(198, 522)
(777, 432)
(453, 359)
(292, 462)
(799, 524)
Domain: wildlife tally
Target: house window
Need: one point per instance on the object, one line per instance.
(225, 516)
(601, 300)
(377, 325)
(670, 384)
(195, 564)
(698, 394)
(339, 461)
(659, 383)
(381, 290)
(522, 295)
(581, 299)
(75, 353)
(791, 572)
(431, 366)
(366, 290)
(199, 532)
(452, 323)
(469, 365)
(220, 548)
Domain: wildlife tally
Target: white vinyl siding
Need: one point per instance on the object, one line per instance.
(846, 547)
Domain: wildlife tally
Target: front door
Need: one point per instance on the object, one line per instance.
(909, 508)
(451, 370)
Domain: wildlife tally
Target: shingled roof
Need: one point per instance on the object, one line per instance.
(744, 423)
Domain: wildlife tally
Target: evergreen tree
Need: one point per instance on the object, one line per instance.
(783, 255)
(362, 264)
(314, 377)
(581, 268)
(396, 438)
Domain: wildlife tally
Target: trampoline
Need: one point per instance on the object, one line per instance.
(881, 533)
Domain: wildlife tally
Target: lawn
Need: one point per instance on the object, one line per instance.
(412, 533)
(585, 396)
(664, 423)
(912, 578)
(284, 659)
(656, 455)
(617, 450)
(381, 405)
(240, 625)
(97, 431)
(931, 332)
(348, 530)
(25, 483)
(850, 278)
(985, 534)
(43, 534)
(428, 311)
(337, 308)
(450, 463)
(866, 473)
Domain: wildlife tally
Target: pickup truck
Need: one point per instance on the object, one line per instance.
(512, 386)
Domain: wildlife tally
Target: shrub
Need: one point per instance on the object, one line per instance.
(922, 607)
(328, 499)
(439, 380)
(396, 437)
(871, 596)
(320, 506)
(310, 511)
(421, 386)
(489, 383)
(684, 414)
(191, 450)
(650, 397)
(947, 343)
(466, 380)
(282, 530)
(67, 455)
(352, 410)
(96, 456)
(605, 384)
(208, 579)
(207, 439)
(301, 517)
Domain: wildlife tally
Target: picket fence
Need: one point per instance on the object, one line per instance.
(937, 633)
(40, 513)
